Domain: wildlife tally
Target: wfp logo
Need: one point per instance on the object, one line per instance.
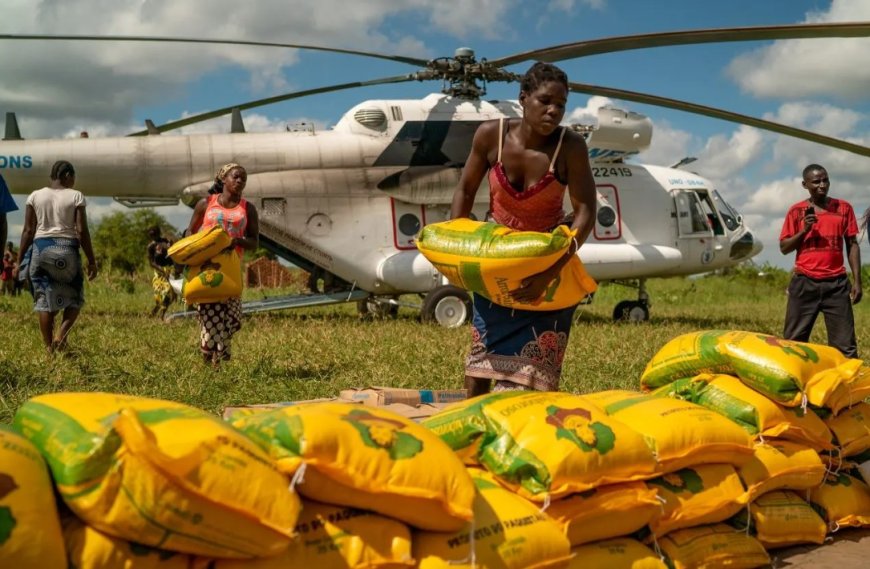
(16, 161)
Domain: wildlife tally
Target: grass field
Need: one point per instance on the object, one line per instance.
(304, 354)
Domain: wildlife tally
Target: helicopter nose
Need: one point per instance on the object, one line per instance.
(745, 247)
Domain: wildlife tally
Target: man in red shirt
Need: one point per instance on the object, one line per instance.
(817, 228)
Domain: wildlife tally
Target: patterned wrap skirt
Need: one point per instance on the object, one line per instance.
(55, 270)
(218, 321)
(519, 349)
(164, 295)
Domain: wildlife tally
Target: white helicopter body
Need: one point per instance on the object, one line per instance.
(351, 200)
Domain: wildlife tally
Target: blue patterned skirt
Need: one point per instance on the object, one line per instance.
(518, 348)
(56, 274)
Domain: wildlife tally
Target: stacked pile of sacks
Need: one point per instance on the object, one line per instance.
(804, 406)
(156, 484)
(704, 471)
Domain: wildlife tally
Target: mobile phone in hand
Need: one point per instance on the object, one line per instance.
(810, 210)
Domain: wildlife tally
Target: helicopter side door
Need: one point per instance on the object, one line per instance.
(695, 230)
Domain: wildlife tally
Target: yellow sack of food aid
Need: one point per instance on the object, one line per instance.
(781, 465)
(507, 532)
(200, 247)
(622, 553)
(605, 512)
(786, 371)
(682, 433)
(843, 501)
(694, 496)
(90, 549)
(713, 547)
(547, 445)
(758, 415)
(851, 429)
(336, 537)
(687, 355)
(367, 458)
(215, 280)
(850, 393)
(162, 474)
(782, 519)
(30, 534)
(490, 259)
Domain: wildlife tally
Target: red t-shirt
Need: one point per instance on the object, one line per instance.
(820, 254)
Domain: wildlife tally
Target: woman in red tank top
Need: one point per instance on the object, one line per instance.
(225, 207)
(529, 161)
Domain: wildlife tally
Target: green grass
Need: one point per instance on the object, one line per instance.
(303, 354)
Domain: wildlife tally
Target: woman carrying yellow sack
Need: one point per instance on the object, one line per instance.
(529, 162)
(226, 208)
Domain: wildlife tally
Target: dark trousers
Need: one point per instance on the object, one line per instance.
(807, 297)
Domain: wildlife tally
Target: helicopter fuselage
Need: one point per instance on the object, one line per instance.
(351, 199)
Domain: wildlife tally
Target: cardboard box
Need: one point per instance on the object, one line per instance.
(377, 396)
(413, 412)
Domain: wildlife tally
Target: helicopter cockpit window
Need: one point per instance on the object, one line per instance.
(729, 214)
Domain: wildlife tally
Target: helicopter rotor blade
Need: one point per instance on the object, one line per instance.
(719, 114)
(270, 100)
(155, 39)
(687, 37)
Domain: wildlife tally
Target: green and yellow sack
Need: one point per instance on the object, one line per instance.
(215, 280)
(545, 445)
(491, 260)
(842, 501)
(681, 433)
(788, 372)
(91, 549)
(850, 393)
(781, 465)
(605, 512)
(336, 537)
(713, 547)
(622, 553)
(782, 519)
(367, 458)
(851, 429)
(507, 533)
(200, 247)
(162, 474)
(694, 496)
(30, 534)
(758, 415)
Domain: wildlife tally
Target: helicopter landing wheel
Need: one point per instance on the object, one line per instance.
(631, 311)
(377, 308)
(447, 305)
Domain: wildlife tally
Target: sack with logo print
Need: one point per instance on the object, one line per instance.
(545, 445)
(200, 247)
(491, 260)
(367, 458)
(215, 280)
(781, 465)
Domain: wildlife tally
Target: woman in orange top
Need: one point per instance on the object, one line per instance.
(226, 207)
(529, 162)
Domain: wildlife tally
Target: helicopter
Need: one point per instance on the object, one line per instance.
(348, 202)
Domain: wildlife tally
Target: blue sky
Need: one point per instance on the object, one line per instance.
(58, 89)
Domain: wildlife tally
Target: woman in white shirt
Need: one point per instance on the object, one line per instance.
(55, 225)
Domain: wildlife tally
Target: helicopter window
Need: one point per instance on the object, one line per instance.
(728, 213)
(709, 210)
(690, 217)
(606, 216)
(409, 224)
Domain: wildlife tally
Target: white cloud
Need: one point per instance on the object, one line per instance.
(811, 67)
(588, 114)
(669, 145)
(724, 157)
(57, 87)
